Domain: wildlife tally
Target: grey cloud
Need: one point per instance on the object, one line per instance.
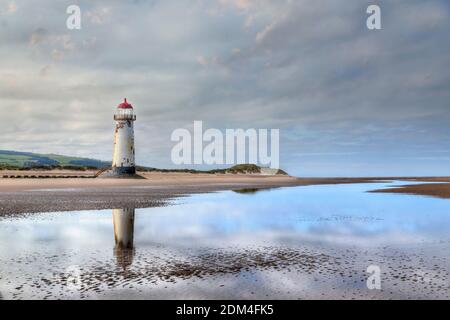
(344, 97)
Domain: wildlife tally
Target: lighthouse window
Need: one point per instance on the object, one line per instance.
(125, 112)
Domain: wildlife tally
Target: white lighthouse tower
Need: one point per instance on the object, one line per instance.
(123, 159)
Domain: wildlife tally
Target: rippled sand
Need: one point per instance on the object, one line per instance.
(281, 244)
(236, 273)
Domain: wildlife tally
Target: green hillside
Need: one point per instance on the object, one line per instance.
(14, 160)
(237, 169)
(22, 160)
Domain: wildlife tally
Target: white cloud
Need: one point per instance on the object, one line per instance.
(99, 16)
(12, 7)
(310, 68)
(240, 4)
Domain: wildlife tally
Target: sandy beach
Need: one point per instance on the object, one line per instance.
(27, 195)
(315, 241)
(43, 195)
(439, 188)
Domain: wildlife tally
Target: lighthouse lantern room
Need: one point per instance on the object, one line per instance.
(123, 158)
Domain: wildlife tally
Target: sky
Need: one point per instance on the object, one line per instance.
(348, 101)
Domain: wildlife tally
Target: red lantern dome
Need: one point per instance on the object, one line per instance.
(124, 112)
(125, 105)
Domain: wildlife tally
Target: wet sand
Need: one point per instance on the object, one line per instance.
(283, 269)
(437, 190)
(46, 195)
(253, 273)
(24, 195)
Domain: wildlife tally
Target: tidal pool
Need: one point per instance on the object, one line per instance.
(307, 242)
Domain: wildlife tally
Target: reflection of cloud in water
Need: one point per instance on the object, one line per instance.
(151, 267)
(349, 215)
(251, 272)
(225, 235)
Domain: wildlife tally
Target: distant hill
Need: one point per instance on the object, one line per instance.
(14, 160)
(24, 160)
(237, 169)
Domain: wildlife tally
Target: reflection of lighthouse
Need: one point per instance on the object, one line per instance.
(123, 158)
(123, 220)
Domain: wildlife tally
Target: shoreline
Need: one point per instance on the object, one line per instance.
(435, 190)
(19, 196)
(167, 259)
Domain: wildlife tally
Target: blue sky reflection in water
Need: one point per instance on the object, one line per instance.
(329, 214)
(334, 220)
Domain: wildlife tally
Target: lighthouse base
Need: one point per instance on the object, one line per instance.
(120, 173)
(124, 170)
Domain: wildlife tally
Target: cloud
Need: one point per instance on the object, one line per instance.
(99, 15)
(342, 95)
(202, 60)
(37, 36)
(240, 4)
(12, 7)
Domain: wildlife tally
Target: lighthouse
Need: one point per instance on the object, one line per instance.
(123, 163)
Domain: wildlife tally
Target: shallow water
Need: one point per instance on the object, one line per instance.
(292, 243)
